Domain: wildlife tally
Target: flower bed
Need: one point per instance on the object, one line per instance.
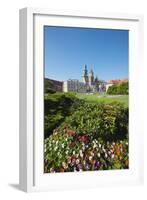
(68, 153)
(94, 137)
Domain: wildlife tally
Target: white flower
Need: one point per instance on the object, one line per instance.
(66, 152)
(90, 157)
(81, 155)
(95, 145)
(83, 148)
(55, 148)
(106, 155)
(64, 165)
(104, 150)
(100, 145)
(99, 155)
(84, 162)
(77, 155)
(80, 151)
(112, 156)
(73, 152)
(92, 154)
(77, 161)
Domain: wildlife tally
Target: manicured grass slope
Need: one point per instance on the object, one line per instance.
(94, 98)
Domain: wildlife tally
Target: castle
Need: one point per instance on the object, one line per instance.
(89, 83)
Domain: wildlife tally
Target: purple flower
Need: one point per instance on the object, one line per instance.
(97, 165)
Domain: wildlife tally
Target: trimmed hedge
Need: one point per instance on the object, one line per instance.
(118, 89)
(101, 120)
(57, 106)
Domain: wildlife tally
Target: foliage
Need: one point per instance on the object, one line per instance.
(94, 137)
(48, 86)
(105, 121)
(118, 89)
(57, 106)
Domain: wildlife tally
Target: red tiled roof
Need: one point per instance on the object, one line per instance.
(118, 81)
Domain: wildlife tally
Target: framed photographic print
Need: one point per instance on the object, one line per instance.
(80, 83)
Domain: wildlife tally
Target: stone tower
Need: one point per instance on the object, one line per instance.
(85, 75)
(91, 77)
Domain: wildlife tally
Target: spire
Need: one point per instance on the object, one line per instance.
(85, 74)
(85, 71)
(96, 79)
(91, 77)
(91, 73)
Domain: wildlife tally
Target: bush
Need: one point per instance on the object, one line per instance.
(57, 106)
(50, 91)
(118, 89)
(102, 120)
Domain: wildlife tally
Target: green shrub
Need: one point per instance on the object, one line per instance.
(118, 89)
(101, 120)
(57, 107)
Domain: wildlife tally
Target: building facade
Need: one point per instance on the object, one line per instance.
(73, 85)
(89, 83)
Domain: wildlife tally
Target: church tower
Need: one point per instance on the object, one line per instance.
(91, 78)
(85, 75)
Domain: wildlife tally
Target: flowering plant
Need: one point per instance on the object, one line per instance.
(91, 137)
(66, 153)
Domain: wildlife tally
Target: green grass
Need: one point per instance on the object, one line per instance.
(93, 98)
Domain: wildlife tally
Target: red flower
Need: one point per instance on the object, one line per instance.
(71, 133)
(82, 138)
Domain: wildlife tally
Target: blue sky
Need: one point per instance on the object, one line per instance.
(67, 50)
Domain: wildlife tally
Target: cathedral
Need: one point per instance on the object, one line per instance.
(93, 84)
(89, 83)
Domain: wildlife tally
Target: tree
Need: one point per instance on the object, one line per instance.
(118, 89)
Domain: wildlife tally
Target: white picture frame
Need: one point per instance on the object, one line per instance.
(31, 94)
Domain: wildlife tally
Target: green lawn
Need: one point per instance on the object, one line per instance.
(93, 98)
